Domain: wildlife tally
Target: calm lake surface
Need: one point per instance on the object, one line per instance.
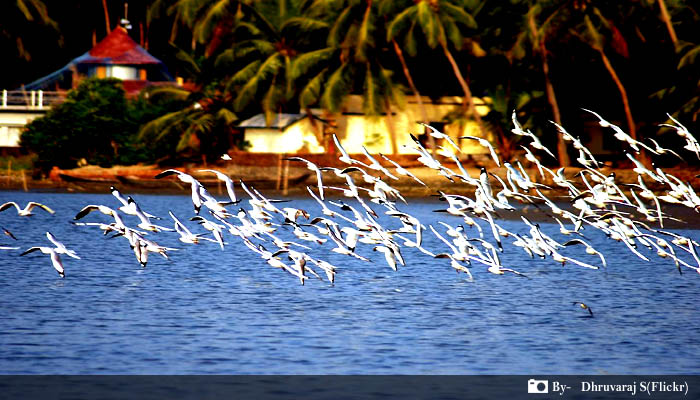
(208, 311)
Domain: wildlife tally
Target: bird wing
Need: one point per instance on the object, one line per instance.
(8, 205)
(31, 250)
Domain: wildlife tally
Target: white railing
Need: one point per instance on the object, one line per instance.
(31, 99)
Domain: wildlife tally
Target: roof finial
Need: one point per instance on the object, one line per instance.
(124, 21)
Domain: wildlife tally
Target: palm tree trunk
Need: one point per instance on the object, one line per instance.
(317, 128)
(623, 94)
(390, 127)
(104, 6)
(643, 156)
(467, 92)
(562, 152)
(416, 94)
(669, 26)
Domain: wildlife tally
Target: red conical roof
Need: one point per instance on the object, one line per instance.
(118, 48)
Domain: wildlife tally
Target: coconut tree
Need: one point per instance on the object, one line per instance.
(16, 21)
(590, 32)
(274, 36)
(352, 62)
(386, 8)
(440, 22)
(539, 24)
(203, 125)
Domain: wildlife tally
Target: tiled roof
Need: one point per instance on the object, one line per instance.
(118, 48)
(280, 121)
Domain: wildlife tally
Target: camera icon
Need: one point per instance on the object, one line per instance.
(537, 386)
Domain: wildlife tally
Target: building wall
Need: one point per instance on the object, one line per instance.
(123, 72)
(355, 130)
(12, 124)
(298, 137)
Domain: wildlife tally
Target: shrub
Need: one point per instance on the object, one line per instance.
(96, 123)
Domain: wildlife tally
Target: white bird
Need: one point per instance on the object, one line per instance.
(375, 165)
(229, 183)
(661, 150)
(126, 207)
(517, 128)
(186, 236)
(388, 255)
(27, 210)
(195, 186)
(401, 170)
(456, 265)
(212, 227)
(60, 247)
(486, 144)
(145, 221)
(344, 156)
(691, 143)
(55, 259)
(118, 222)
(313, 167)
(589, 249)
(440, 135)
(620, 134)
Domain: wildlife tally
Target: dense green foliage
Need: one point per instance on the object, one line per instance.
(95, 123)
(633, 61)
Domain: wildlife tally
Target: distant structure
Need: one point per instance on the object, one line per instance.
(287, 133)
(295, 133)
(115, 56)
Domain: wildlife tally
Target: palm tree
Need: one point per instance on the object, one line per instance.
(440, 22)
(666, 17)
(351, 62)
(275, 35)
(537, 33)
(203, 125)
(16, 20)
(590, 33)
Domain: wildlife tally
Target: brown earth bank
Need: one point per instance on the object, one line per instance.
(267, 172)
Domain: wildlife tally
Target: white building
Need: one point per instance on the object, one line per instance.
(290, 133)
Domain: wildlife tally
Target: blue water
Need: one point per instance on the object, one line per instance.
(208, 311)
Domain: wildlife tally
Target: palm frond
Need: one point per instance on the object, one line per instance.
(168, 92)
(311, 92)
(204, 27)
(303, 63)
(689, 57)
(365, 36)
(458, 15)
(248, 91)
(303, 24)
(224, 59)
(247, 28)
(336, 89)
(340, 28)
(226, 115)
(270, 101)
(410, 43)
(244, 74)
(452, 32)
(400, 22)
(188, 63)
(429, 23)
(371, 104)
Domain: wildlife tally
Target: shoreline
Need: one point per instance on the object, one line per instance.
(270, 179)
(266, 179)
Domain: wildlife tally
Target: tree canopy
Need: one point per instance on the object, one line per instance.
(635, 60)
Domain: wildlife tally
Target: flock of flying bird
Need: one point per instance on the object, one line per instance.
(596, 202)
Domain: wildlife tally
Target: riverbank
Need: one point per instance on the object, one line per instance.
(269, 173)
